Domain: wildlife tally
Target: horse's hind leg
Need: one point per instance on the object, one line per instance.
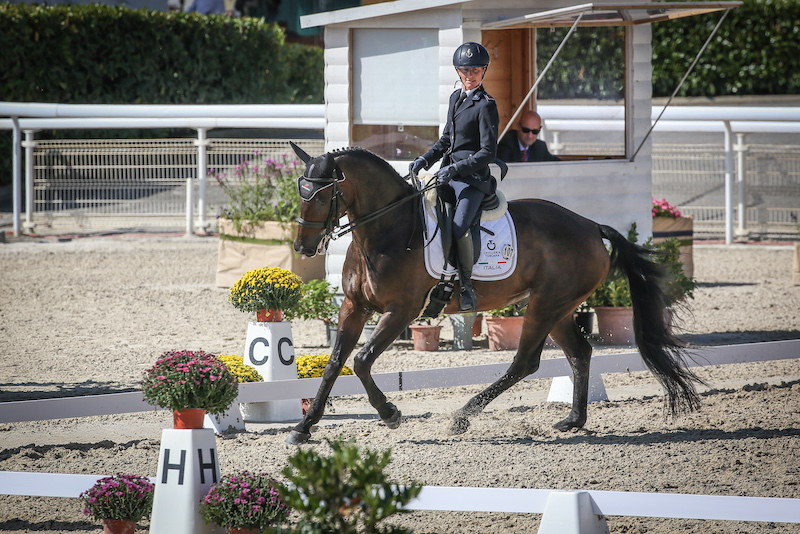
(579, 355)
(526, 361)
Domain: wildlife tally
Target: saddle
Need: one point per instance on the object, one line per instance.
(493, 207)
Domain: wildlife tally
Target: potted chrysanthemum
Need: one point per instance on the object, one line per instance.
(119, 501)
(268, 291)
(312, 366)
(244, 502)
(190, 380)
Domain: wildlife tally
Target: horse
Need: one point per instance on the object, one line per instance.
(562, 260)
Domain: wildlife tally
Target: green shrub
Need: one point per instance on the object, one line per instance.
(346, 492)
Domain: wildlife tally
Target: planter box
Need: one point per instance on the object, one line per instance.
(267, 244)
(682, 229)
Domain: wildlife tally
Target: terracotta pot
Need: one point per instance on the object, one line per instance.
(615, 325)
(269, 316)
(504, 332)
(426, 337)
(234, 530)
(477, 326)
(306, 404)
(118, 526)
(188, 418)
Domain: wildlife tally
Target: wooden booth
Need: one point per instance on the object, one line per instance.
(389, 74)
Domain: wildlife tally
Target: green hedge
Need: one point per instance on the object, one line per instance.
(755, 52)
(112, 55)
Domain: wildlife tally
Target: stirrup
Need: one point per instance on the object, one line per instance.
(471, 300)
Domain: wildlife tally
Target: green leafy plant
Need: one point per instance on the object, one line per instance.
(270, 288)
(126, 497)
(317, 302)
(187, 379)
(681, 287)
(313, 365)
(261, 189)
(245, 500)
(346, 492)
(513, 310)
(243, 373)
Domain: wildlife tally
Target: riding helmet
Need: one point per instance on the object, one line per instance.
(470, 55)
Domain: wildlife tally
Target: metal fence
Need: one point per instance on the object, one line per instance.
(102, 185)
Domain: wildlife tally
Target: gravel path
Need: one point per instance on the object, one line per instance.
(89, 315)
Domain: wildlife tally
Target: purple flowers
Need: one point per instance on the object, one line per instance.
(128, 497)
(188, 379)
(240, 501)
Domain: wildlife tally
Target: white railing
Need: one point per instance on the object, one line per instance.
(730, 121)
(27, 118)
(30, 117)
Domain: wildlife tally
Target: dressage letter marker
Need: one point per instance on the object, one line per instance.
(270, 350)
(187, 468)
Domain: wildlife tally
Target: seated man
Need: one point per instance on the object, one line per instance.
(523, 145)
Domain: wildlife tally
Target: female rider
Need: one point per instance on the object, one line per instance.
(467, 146)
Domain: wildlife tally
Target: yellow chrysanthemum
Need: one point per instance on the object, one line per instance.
(236, 365)
(313, 365)
(266, 288)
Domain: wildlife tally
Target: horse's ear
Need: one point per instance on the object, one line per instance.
(300, 153)
(328, 164)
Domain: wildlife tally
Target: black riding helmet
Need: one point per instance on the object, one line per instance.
(471, 55)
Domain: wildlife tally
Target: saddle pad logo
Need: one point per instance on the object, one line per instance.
(498, 254)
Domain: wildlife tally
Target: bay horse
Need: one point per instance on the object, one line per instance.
(562, 259)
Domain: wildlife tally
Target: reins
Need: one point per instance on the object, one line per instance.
(331, 231)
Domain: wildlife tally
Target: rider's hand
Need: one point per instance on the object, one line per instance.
(417, 165)
(446, 174)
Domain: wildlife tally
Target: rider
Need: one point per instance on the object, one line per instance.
(467, 146)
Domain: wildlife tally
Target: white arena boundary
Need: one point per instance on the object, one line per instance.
(116, 403)
(500, 500)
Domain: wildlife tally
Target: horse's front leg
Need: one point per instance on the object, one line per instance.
(389, 327)
(350, 327)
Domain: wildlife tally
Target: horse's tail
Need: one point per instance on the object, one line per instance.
(663, 353)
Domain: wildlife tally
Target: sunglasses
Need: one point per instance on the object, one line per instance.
(534, 131)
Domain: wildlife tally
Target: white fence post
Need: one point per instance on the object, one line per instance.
(202, 170)
(29, 145)
(16, 173)
(741, 175)
(728, 183)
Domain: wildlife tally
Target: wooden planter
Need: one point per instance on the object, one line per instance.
(682, 229)
(267, 244)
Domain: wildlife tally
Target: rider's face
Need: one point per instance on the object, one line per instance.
(471, 78)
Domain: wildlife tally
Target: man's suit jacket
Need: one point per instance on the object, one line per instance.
(508, 150)
(469, 140)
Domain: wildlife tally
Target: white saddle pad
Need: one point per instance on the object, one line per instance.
(498, 257)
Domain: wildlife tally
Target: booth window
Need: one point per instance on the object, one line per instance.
(395, 112)
(589, 71)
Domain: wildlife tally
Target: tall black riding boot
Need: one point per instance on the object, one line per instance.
(467, 299)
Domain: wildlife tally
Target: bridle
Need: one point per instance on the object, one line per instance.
(331, 228)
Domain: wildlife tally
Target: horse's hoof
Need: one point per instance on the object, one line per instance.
(459, 425)
(297, 438)
(567, 424)
(394, 420)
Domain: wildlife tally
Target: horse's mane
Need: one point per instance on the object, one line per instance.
(358, 152)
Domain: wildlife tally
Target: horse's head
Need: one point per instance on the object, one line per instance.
(319, 209)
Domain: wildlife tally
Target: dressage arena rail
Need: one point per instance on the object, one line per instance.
(441, 498)
(89, 185)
